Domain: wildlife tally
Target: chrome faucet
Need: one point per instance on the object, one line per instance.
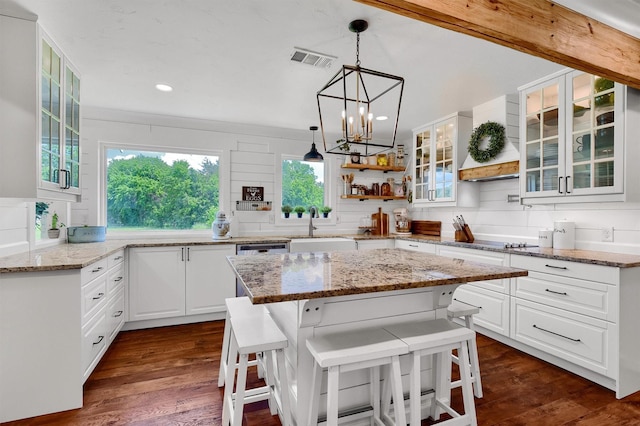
(313, 212)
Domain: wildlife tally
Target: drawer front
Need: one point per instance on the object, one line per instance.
(94, 342)
(494, 307)
(115, 314)
(481, 256)
(585, 341)
(416, 246)
(579, 296)
(116, 279)
(115, 258)
(583, 271)
(94, 295)
(93, 271)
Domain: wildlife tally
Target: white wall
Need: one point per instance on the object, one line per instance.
(251, 157)
(496, 219)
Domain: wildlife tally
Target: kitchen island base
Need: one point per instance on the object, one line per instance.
(303, 319)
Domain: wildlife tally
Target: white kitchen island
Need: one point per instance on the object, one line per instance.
(309, 294)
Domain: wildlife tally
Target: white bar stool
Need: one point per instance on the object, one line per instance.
(437, 337)
(354, 350)
(251, 336)
(240, 307)
(458, 309)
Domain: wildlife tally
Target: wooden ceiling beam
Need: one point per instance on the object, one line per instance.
(541, 28)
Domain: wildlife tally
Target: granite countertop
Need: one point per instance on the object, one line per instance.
(76, 256)
(274, 278)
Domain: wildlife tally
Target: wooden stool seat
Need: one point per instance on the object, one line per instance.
(250, 335)
(458, 309)
(354, 350)
(240, 307)
(437, 337)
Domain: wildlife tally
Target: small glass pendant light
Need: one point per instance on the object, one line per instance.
(313, 155)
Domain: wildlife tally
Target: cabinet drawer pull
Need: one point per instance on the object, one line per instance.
(561, 293)
(467, 303)
(117, 280)
(413, 245)
(99, 296)
(556, 334)
(117, 314)
(557, 267)
(99, 340)
(98, 269)
(118, 257)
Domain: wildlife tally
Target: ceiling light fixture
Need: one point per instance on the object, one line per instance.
(313, 155)
(164, 87)
(346, 106)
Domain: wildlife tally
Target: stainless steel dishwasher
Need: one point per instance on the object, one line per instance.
(258, 248)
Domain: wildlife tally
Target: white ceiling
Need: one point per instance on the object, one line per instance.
(230, 60)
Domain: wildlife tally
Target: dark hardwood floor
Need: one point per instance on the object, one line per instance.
(168, 376)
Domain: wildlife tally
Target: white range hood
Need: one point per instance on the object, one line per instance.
(504, 110)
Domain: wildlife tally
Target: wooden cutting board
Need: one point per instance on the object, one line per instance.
(426, 227)
(381, 220)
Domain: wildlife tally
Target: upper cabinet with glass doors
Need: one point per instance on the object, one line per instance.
(439, 150)
(575, 147)
(41, 116)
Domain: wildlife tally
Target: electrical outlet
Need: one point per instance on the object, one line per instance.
(607, 234)
(272, 219)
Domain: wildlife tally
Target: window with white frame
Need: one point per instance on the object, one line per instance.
(160, 190)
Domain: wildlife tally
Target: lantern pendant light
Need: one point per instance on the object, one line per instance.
(313, 154)
(359, 107)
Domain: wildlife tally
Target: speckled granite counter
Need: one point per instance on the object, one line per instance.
(76, 256)
(616, 260)
(298, 276)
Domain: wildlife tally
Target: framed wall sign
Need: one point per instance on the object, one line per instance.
(253, 193)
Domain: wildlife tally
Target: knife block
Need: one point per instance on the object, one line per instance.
(464, 236)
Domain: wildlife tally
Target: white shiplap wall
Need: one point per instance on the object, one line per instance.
(252, 157)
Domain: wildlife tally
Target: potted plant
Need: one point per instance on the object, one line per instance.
(287, 209)
(344, 146)
(299, 210)
(325, 211)
(54, 231)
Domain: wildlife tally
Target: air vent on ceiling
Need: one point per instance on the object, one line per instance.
(315, 59)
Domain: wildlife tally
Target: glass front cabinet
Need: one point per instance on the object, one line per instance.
(574, 132)
(41, 125)
(439, 150)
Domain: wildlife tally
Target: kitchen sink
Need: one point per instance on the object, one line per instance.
(321, 244)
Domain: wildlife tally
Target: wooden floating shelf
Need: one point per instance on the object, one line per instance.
(372, 197)
(363, 167)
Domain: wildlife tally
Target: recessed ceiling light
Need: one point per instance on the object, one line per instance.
(164, 87)
(382, 118)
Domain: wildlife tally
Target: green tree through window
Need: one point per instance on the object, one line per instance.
(146, 191)
(302, 183)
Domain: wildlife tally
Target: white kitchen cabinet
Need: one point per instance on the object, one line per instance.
(40, 120)
(584, 315)
(416, 246)
(54, 329)
(491, 296)
(156, 282)
(439, 149)
(209, 278)
(166, 282)
(577, 136)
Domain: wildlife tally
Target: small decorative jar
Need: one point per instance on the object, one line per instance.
(400, 156)
(391, 159)
(382, 159)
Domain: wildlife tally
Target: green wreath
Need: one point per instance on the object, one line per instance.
(495, 132)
